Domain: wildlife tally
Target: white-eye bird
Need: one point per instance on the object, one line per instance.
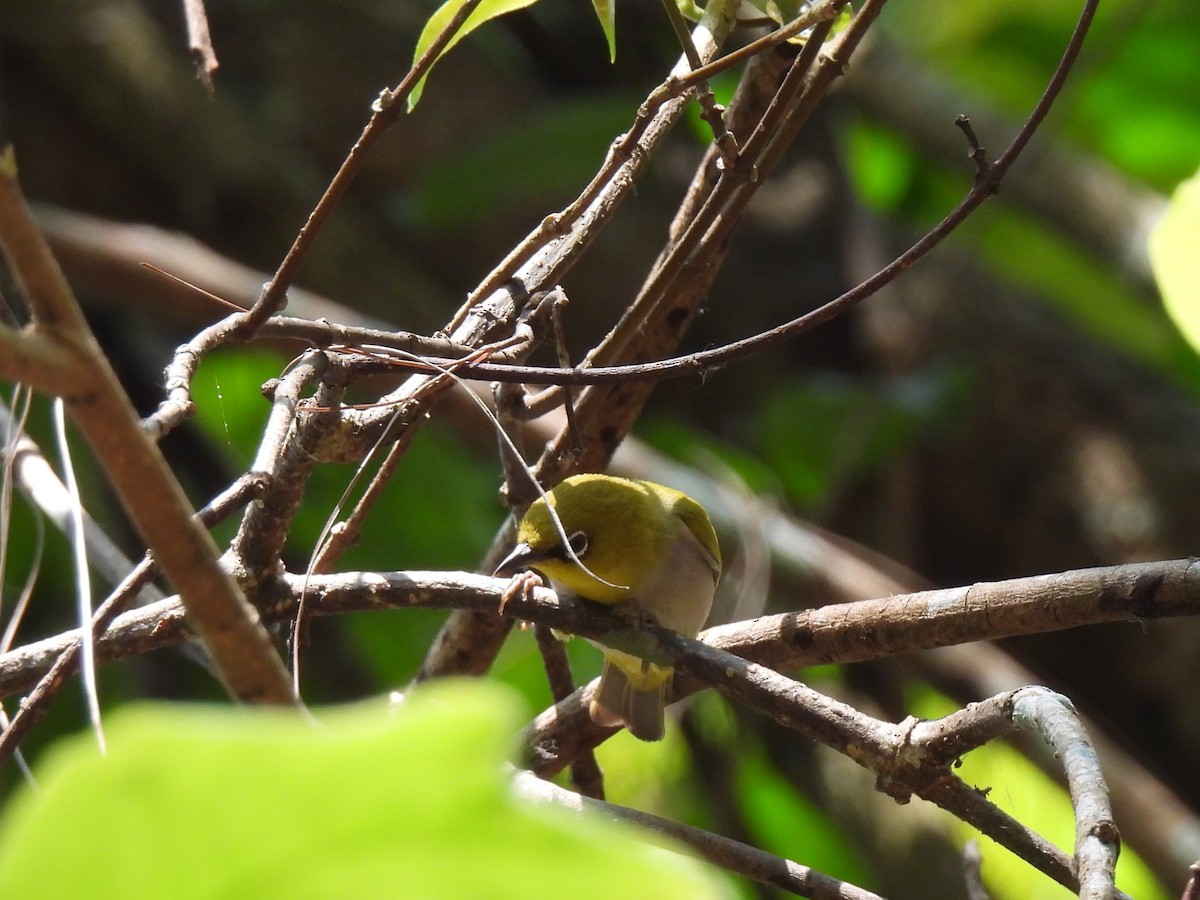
(647, 548)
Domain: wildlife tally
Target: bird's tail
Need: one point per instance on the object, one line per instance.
(638, 707)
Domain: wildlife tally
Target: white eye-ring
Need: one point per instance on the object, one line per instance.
(579, 543)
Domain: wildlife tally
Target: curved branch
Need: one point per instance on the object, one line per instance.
(1096, 840)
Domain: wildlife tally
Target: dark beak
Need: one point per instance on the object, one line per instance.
(522, 557)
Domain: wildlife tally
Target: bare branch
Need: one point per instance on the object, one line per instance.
(385, 111)
(586, 776)
(832, 634)
(229, 626)
(200, 42)
(1096, 840)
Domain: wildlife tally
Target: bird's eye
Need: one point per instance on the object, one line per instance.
(579, 543)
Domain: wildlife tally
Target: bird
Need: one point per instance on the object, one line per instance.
(647, 549)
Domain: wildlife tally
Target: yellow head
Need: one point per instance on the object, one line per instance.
(621, 530)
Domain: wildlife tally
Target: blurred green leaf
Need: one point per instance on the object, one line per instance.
(534, 160)
(1175, 255)
(440, 511)
(882, 165)
(821, 433)
(1139, 108)
(785, 822)
(1022, 250)
(230, 406)
(1131, 96)
(207, 802)
(647, 776)
(688, 444)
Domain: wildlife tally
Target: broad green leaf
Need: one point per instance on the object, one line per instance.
(606, 12)
(487, 10)
(1175, 257)
(220, 802)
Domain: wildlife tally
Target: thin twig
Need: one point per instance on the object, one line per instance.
(585, 771)
(200, 42)
(385, 111)
(181, 371)
(708, 360)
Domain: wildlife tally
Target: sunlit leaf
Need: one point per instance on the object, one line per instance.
(606, 12)
(487, 10)
(1173, 253)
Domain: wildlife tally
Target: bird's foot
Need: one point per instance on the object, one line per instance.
(521, 586)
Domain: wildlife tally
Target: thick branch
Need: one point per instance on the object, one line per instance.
(240, 647)
(846, 632)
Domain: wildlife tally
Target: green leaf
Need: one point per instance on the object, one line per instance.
(220, 802)
(606, 12)
(486, 11)
(823, 433)
(1173, 254)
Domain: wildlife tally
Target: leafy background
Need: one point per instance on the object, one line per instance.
(1019, 404)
